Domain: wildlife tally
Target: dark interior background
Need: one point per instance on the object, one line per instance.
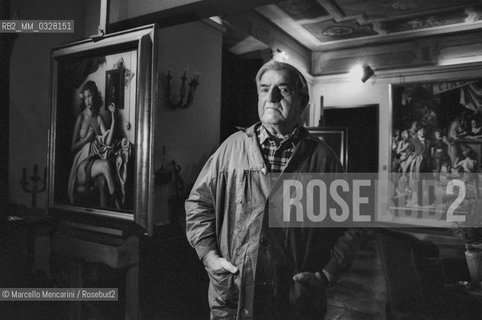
(362, 124)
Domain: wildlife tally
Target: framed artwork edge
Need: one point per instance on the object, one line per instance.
(341, 140)
(447, 83)
(143, 42)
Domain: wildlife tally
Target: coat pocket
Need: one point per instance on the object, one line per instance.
(307, 301)
(223, 292)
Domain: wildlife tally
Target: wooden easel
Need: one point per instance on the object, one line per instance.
(83, 243)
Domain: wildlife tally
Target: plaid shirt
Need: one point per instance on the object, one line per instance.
(276, 155)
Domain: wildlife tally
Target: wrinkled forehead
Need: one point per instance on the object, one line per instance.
(277, 77)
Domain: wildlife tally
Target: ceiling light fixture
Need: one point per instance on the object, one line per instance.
(362, 73)
(367, 73)
(280, 55)
(356, 73)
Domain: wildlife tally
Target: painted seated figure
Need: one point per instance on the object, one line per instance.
(92, 148)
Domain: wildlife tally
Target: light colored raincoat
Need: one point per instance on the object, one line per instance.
(226, 211)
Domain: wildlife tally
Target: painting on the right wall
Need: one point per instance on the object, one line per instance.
(436, 145)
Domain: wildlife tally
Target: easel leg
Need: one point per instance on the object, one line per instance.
(75, 309)
(132, 293)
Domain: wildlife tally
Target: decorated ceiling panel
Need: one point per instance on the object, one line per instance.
(426, 21)
(327, 31)
(388, 9)
(303, 9)
(319, 24)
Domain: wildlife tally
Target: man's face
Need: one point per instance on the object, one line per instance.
(278, 102)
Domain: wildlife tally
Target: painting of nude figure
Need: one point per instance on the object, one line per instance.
(96, 131)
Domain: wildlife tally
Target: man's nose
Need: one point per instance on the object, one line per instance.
(274, 94)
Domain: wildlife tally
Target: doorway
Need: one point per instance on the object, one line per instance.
(362, 124)
(239, 98)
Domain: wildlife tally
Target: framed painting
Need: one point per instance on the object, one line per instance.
(100, 150)
(436, 149)
(336, 138)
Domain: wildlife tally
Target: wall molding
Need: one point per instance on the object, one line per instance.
(420, 52)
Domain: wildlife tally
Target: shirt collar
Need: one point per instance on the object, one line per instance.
(264, 135)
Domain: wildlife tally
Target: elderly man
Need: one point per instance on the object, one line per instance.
(258, 272)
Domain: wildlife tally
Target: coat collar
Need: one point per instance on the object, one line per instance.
(251, 131)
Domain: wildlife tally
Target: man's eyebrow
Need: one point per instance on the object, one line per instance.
(285, 84)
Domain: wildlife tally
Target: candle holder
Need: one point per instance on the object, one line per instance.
(182, 90)
(163, 175)
(35, 184)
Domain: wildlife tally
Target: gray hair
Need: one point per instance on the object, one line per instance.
(301, 86)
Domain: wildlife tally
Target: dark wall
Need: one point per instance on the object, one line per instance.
(239, 98)
(362, 123)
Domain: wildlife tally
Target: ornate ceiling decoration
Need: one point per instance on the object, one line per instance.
(322, 24)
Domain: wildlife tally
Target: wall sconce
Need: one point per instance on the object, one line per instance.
(182, 90)
(361, 72)
(35, 184)
(279, 55)
(367, 73)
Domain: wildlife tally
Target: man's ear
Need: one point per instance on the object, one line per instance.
(304, 102)
(303, 109)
